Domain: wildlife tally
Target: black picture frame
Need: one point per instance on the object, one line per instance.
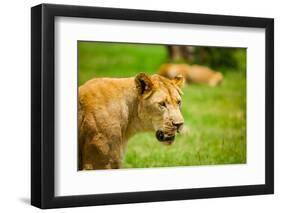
(43, 102)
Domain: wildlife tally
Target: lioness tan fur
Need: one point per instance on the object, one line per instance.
(192, 73)
(111, 110)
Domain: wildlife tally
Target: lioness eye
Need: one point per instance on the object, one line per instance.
(162, 104)
(179, 102)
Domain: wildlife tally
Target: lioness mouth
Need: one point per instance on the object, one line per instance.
(167, 139)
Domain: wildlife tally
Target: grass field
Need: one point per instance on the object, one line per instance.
(216, 116)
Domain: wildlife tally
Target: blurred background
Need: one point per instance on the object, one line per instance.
(215, 116)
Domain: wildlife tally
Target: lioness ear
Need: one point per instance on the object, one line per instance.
(179, 81)
(143, 83)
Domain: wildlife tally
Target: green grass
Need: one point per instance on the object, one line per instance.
(216, 116)
(113, 60)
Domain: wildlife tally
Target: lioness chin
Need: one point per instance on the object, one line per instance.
(111, 110)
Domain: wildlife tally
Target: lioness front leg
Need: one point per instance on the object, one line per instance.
(116, 164)
(116, 154)
(95, 156)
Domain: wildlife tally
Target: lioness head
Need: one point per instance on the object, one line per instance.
(159, 105)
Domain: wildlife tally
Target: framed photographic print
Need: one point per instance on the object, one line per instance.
(139, 106)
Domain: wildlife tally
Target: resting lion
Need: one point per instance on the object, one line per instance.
(111, 110)
(192, 73)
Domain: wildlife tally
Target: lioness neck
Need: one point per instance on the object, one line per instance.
(135, 124)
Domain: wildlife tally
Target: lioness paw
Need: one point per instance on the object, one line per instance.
(88, 166)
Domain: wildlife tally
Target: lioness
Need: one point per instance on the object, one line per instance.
(111, 110)
(192, 73)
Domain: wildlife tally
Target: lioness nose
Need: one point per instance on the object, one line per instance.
(178, 125)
